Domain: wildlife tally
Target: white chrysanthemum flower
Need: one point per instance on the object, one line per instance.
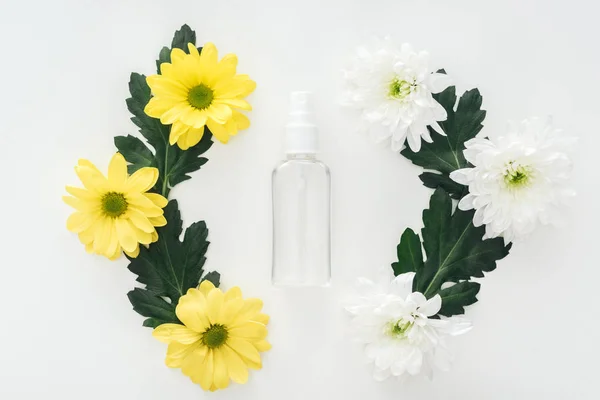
(395, 324)
(518, 180)
(392, 88)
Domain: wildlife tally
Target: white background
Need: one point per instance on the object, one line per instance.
(67, 330)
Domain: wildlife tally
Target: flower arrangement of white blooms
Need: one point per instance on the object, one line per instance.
(489, 192)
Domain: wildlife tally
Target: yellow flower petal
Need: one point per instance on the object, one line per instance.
(237, 103)
(191, 310)
(141, 236)
(233, 293)
(142, 180)
(158, 221)
(81, 205)
(177, 352)
(234, 88)
(262, 318)
(81, 194)
(214, 304)
(207, 371)
(206, 287)
(80, 221)
(182, 142)
(192, 365)
(178, 129)
(87, 236)
(177, 55)
(103, 232)
(139, 220)
(126, 234)
(208, 58)
(116, 254)
(112, 249)
(164, 87)
(168, 333)
(117, 171)
(218, 131)
(241, 120)
(134, 253)
(157, 199)
(141, 203)
(251, 308)
(221, 380)
(262, 345)
(249, 330)
(194, 136)
(244, 348)
(91, 179)
(225, 70)
(219, 112)
(157, 107)
(174, 113)
(230, 310)
(238, 372)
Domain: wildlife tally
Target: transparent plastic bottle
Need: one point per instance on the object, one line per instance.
(301, 204)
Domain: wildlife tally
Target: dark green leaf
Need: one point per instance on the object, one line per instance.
(445, 153)
(155, 308)
(189, 160)
(410, 255)
(163, 57)
(182, 37)
(134, 151)
(457, 297)
(434, 180)
(170, 267)
(213, 277)
(455, 248)
(174, 164)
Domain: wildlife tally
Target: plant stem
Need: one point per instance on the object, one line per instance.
(165, 185)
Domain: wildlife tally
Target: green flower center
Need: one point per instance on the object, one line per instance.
(517, 176)
(215, 336)
(200, 96)
(114, 204)
(399, 329)
(400, 88)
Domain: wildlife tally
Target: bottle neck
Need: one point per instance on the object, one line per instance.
(301, 156)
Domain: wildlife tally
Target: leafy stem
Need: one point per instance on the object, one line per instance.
(165, 186)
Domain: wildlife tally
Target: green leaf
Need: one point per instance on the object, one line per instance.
(182, 37)
(455, 248)
(170, 266)
(434, 180)
(155, 308)
(410, 255)
(163, 57)
(134, 151)
(174, 165)
(445, 153)
(214, 277)
(457, 297)
(188, 161)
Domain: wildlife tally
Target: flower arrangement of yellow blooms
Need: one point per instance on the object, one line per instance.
(190, 100)
(214, 337)
(220, 338)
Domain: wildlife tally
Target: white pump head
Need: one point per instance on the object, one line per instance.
(301, 135)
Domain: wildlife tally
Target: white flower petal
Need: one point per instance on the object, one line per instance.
(432, 306)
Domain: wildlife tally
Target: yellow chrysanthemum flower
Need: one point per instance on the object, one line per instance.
(196, 90)
(115, 212)
(221, 339)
